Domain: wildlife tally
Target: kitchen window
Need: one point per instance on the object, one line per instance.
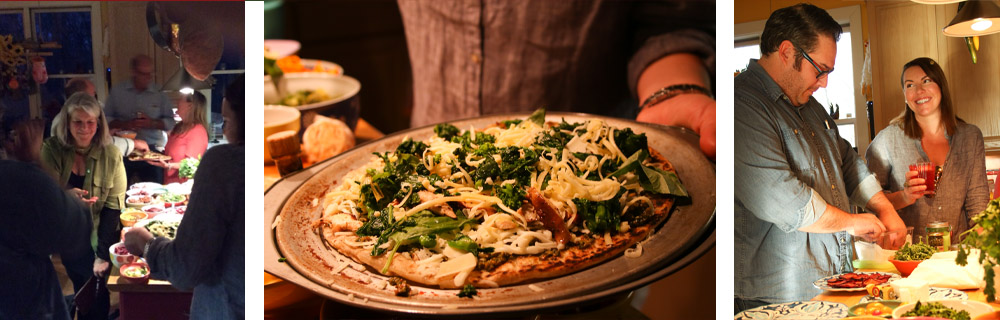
(842, 85)
(69, 38)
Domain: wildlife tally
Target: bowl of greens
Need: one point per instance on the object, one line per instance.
(910, 255)
(947, 309)
(334, 96)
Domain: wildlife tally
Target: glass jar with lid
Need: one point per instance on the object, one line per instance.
(939, 235)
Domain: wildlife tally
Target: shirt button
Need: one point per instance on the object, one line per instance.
(824, 160)
(834, 187)
(813, 134)
(475, 58)
(939, 208)
(796, 131)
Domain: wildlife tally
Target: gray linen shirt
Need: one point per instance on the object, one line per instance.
(962, 191)
(478, 57)
(790, 162)
(208, 252)
(124, 101)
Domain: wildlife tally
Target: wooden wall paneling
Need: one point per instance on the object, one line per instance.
(128, 37)
(900, 33)
(975, 88)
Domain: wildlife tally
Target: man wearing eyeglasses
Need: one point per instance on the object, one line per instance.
(796, 179)
(138, 105)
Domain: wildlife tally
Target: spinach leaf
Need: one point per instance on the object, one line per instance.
(508, 123)
(652, 179)
(538, 117)
(420, 224)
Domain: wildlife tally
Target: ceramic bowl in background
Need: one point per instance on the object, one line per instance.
(280, 48)
(120, 256)
(130, 216)
(865, 308)
(905, 267)
(343, 90)
(135, 272)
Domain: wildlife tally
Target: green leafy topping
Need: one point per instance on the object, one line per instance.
(920, 251)
(464, 243)
(509, 123)
(412, 147)
(511, 195)
(514, 166)
(538, 117)
(282, 260)
(600, 216)
(446, 131)
(652, 179)
(467, 291)
(937, 310)
(428, 240)
(409, 230)
(629, 142)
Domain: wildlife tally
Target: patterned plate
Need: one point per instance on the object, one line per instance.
(817, 310)
(821, 283)
(936, 294)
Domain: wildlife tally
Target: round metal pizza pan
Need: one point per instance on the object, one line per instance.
(290, 208)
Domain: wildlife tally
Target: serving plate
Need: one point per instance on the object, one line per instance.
(818, 310)
(935, 294)
(822, 282)
(975, 308)
(289, 213)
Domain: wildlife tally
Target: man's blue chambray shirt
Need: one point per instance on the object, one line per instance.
(790, 162)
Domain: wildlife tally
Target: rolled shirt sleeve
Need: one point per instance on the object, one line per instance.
(865, 190)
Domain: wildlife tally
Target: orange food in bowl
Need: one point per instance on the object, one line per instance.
(130, 217)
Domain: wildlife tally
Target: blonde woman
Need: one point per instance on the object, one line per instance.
(82, 158)
(188, 139)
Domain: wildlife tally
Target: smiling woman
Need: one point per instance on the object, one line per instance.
(928, 131)
(80, 155)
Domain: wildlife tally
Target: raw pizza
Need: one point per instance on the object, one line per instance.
(516, 201)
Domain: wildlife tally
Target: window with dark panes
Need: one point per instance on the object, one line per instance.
(71, 31)
(60, 35)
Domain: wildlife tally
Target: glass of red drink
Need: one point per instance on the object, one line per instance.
(928, 172)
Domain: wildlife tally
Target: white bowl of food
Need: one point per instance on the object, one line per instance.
(974, 308)
(163, 225)
(138, 201)
(146, 185)
(327, 94)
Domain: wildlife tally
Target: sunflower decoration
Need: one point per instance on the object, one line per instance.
(11, 56)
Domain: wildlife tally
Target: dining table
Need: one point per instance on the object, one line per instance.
(851, 298)
(157, 299)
